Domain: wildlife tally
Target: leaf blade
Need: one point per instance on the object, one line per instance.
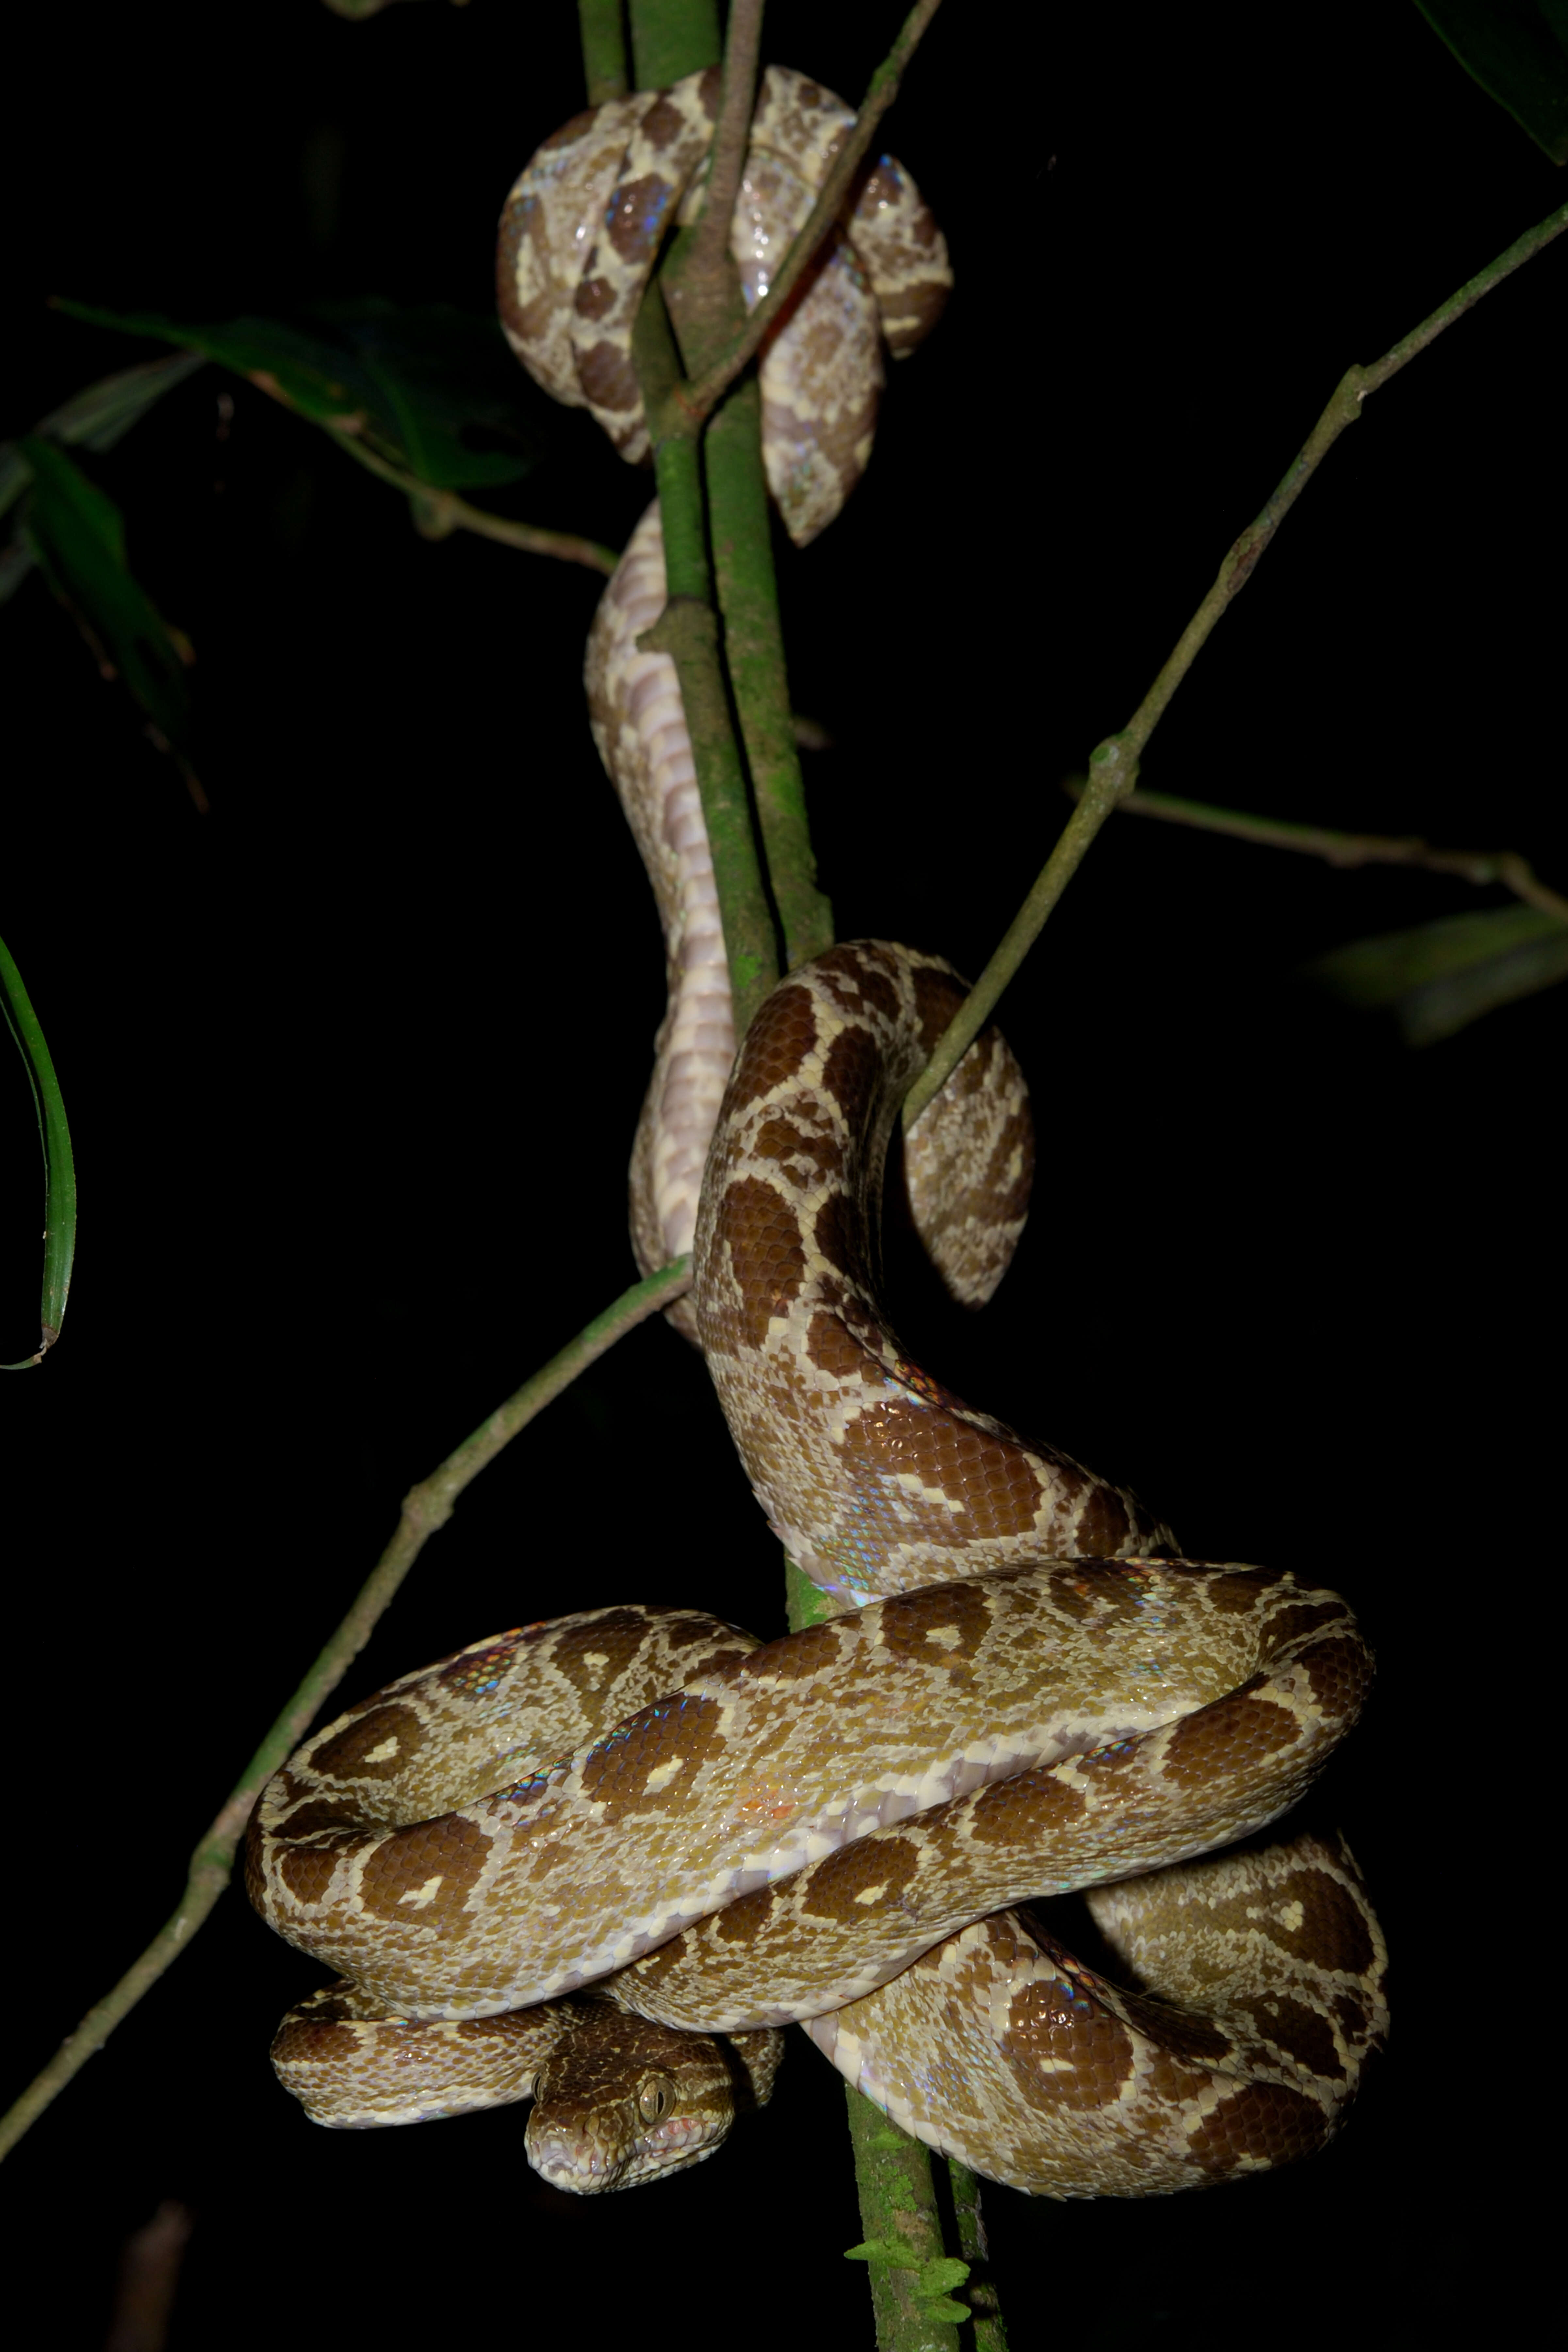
(59, 1163)
(423, 384)
(78, 535)
(1437, 978)
(1518, 51)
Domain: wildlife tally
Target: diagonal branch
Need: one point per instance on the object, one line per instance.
(438, 512)
(425, 1507)
(1113, 765)
(707, 255)
(703, 395)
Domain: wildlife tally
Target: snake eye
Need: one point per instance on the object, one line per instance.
(656, 2099)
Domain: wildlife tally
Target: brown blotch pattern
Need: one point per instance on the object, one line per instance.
(942, 1626)
(774, 1052)
(351, 1757)
(804, 1157)
(681, 1730)
(766, 1252)
(1234, 1732)
(870, 1875)
(592, 1657)
(307, 1872)
(403, 1862)
(1078, 2052)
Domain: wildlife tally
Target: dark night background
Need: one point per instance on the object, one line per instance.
(353, 1064)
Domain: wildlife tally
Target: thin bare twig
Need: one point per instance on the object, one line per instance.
(1482, 866)
(703, 396)
(438, 512)
(1113, 765)
(709, 250)
(425, 1507)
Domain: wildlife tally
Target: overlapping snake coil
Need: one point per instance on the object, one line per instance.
(602, 1860)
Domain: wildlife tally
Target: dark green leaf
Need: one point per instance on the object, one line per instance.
(1518, 51)
(77, 536)
(431, 389)
(94, 419)
(15, 474)
(16, 563)
(1439, 977)
(102, 415)
(60, 1169)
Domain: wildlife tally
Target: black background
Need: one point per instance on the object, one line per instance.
(353, 1064)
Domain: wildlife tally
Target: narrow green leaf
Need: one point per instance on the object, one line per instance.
(98, 417)
(94, 419)
(1439, 977)
(16, 563)
(430, 388)
(104, 412)
(15, 474)
(59, 1168)
(78, 535)
(1518, 51)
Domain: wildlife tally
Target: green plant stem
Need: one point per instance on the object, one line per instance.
(604, 67)
(903, 2231)
(1110, 779)
(989, 2330)
(1113, 765)
(425, 1507)
(759, 677)
(689, 631)
(438, 513)
(1482, 866)
(671, 39)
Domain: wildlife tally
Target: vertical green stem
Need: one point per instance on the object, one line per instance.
(903, 2232)
(990, 2333)
(759, 678)
(672, 37)
(605, 67)
(687, 630)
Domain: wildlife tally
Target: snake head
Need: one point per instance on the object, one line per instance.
(623, 2101)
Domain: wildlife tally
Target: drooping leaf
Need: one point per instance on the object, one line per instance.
(1439, 977)
(1518, 51)
(431, 389)
(94, 419)
(100, 416)
(59, 1168)
(77, 536)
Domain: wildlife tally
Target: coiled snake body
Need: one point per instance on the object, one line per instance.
(593, 1840)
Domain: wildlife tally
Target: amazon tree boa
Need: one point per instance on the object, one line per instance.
(562, 1863)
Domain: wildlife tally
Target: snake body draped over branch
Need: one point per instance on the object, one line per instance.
(559, 1863)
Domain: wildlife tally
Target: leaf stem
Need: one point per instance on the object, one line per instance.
(425, 1507)
(438, 513)
(1113, 765)
(1482, 866)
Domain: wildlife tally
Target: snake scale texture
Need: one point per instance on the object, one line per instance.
(599, 1862)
